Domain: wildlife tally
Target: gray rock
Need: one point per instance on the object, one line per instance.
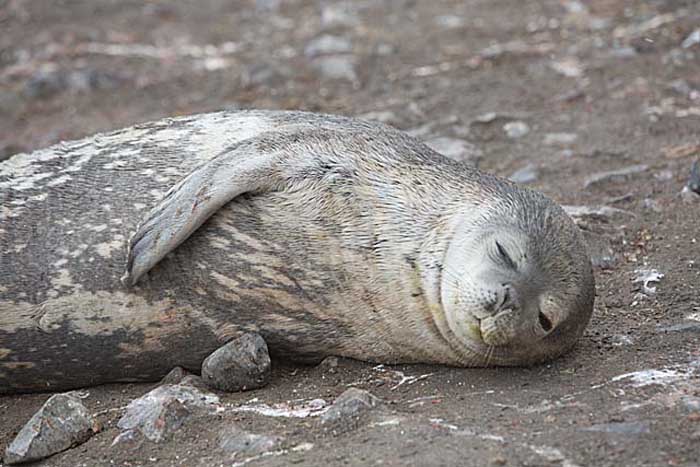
(694, 180)
(48, 82)
(527, 174)
(163, 410)
(341, 14)
(351, 403)
(449, 21)
(456, 149)
(516, 129)
(560, 139)
(240, 365)
(327, 44)
(600, 250)
(384, 116)
(682, 327)
(336, 67)
(600, 213)
(622, 428)
(689, 196)
(175, 376)
(234, 440)
(61, 423)
(691, 403)
(618, 175)
(329, 365)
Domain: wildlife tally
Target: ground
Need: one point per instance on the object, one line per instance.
(599, 86)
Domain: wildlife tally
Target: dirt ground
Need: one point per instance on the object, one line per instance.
(601, 85)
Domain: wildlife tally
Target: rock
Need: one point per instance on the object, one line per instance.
(652, 205)
(351, 403)
(61, 423)
(600, 250)
(694, 180)
(618, 175)
(383, 116)
(449, 21)
(646, 277)
(234, 440)
(691, 403)
(596, 213)
(240, 365)
(163, 410)
(632, 428)
(336, 15)
(560, 139)
(329, 365)
(336, 67)
(266, 74)
(692, 39)
(175, 376)
(49, 81)
(456, 149)
(682, 327)
(689, 196)
(527, 174)
(571, 67)
(327, 44)
(516, 129)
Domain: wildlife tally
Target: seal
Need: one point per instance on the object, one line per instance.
(130, 252)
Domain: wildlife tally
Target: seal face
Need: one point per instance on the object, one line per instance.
(516, 287)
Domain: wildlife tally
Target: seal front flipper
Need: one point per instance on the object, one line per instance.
(188, 204)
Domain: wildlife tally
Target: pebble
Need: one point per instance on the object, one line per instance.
(456, 149)
(334, 15)
(234, 440)
(383, 116)
(329, 365)
(622, 428)
(240, 365)
(336, 67)
(175, 376)
(618, 175)
(160, 412)
(61, 423)
(694, 180)
(351, 403)
(326, 44)
(689, 196)
(516, 129)
(560, 139)
(527, 174)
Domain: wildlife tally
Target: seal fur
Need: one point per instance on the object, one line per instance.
(328, 235)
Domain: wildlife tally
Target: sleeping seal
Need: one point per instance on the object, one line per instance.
(130, 252)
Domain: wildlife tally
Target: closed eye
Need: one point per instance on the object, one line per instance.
(505, 256)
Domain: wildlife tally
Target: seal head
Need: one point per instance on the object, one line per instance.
(517, 286)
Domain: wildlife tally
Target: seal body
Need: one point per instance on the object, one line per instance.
(327, 235)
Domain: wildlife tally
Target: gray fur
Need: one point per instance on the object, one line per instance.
(326, 234)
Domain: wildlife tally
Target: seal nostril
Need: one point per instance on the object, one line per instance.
(545, 322)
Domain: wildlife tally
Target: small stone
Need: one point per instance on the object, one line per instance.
(618, 175)
(449, 21)
(175, 376)
(61, 423)
(691, 40)
(383, 116)
(351, 403)
(527, 174)
(516, 129)
(694, 180)
(689, 196)
(646, 277)
(160, 412)
(335, 15)
(652, 205)
(691, 403)
(560, 139)
(622, 428)
(570, 67)
(456, 149)
(327, 44)
(498, 460)
(234, 440)
(329, 365)
(240, 365)
(336, 67)
(600, 213)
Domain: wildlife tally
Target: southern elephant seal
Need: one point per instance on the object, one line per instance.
(130, 252)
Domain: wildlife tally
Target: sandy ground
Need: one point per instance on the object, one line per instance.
(600, 85)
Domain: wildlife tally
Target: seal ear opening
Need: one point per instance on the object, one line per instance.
(545, 322)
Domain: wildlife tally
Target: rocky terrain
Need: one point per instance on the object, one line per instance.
(595, 103)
